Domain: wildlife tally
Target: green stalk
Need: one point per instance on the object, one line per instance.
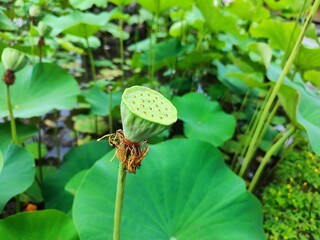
(110, 111)
(276, 88)
(12, 120)
(39, 154)
(268, 155)
(121, 48)
(119, 201)
(93, 73)
(251, 129)
(154, 34)
(91, 59)
(14, 134)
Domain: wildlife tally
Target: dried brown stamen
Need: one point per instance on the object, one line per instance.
(128, 152)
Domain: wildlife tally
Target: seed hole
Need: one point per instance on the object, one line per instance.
(141, 94)
(150, 108)
(133, 102)
(134, 96)
(153, 100)
(144, 112)
(138, 109)
(152, 115)
(156, 98)
(161, 102)
(166, 109)
(149, 94)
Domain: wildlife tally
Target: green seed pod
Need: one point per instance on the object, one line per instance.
(145, 113)
(34, 11)
(43, 29)
(13, 60)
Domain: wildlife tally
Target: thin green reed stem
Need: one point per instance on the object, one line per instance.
(276, 88)
(12, 120)
(119, 201)
(121, 48)
(251, 129)
(91, 59)
(268, 155)
(40, 155)
(110, 110)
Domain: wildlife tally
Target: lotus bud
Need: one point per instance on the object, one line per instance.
(145, 113)
(34, 11)
(13, 59)
(43, 29)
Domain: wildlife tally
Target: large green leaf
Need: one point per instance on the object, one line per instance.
(1, 162)
(24, 132)
(44, 225)
(77, 23)
(218, 20)
(308, 58)
(183, 191)
(158, 6)
(301, 105)
(248, 10)
(39, 90)
(86, 4)
(166, 51)
(100, 101)
(6, 23)
(76, 160)
(203, 119)
(279, 33)
(17, 173)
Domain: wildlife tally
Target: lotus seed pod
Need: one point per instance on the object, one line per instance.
(145, 113)
(13, 60)
(34, 11)
(44, 29)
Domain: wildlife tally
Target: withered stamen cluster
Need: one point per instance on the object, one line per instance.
(128, 152)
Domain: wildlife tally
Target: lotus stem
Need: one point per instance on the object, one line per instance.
(121, 48)
(267, 157)
(91, 59)
(12, 120)
(276, 88)
(119, 201)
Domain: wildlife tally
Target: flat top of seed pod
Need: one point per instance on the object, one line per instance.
(150, 105)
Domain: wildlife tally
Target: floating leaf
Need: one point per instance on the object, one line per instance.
(44, 225)
(183, 190)
(312, 76)
(78, 159)
(39, 90)
(17, 173)
(208, 122)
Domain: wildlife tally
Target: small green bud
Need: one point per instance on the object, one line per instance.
(43, 29)
(12, 59)
(145, 113)
(34, 11)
